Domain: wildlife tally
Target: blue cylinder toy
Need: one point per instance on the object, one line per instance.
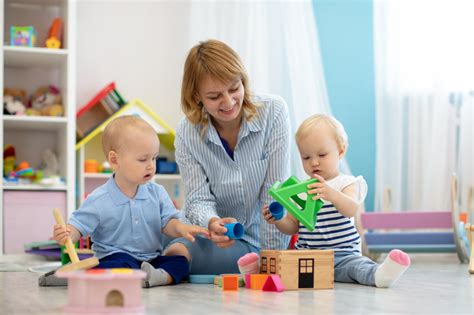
(235, 230)
(276, 209)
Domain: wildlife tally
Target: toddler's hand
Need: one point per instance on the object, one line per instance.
(189, 231)
(321, 190)
(267, 215)
(60, 234)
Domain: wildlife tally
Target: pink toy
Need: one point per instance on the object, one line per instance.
(247, 280)
(273, 284)
(104, 290)
(249, 263)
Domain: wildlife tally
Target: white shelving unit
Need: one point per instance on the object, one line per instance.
(25, 210)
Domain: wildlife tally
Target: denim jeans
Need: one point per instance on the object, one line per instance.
(207, 258)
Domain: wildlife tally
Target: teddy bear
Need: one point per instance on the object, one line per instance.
(14, 101)
(46, 101)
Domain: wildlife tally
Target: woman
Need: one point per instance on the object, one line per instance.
(230, 148)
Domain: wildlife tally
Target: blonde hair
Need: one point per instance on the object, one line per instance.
(311, 122)
(117, 130)
(217, 60)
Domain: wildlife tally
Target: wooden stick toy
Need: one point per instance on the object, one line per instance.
(75, 264)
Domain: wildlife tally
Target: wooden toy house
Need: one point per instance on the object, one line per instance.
(300, 269)
(101, 291)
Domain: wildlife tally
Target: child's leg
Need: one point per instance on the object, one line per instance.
(392, 268)
(351, 268)
(208, 259)
(164, 270)
(177, 249)
(119, 260)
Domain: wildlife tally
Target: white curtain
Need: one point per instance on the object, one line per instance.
(424, 61)
(278, 43)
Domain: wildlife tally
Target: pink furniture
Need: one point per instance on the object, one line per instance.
(27, 217)
(104, 290)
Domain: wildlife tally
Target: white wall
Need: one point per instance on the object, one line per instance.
(141, 45)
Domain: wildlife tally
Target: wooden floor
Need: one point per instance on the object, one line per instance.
(434, 284)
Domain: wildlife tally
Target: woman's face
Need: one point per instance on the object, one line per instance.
(223, 101)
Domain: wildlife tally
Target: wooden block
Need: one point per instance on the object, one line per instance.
(273, 284)
(230, 283)
(257, 281)
(247, 281)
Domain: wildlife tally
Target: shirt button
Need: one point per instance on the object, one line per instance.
(136, 221)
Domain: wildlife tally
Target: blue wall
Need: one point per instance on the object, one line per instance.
(345, 29)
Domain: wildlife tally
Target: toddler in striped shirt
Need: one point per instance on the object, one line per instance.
(322, 143)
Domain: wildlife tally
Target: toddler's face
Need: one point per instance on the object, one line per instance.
(137, 157)
(320, 153)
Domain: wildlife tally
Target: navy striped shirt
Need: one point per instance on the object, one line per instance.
(333, 230)
(218, 186)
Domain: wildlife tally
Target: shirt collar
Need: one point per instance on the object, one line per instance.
(254, 125)
(118, 197)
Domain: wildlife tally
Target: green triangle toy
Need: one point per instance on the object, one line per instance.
(286, 194)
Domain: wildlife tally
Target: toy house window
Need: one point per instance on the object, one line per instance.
(264, 264)
(306, 265)
(272, 265)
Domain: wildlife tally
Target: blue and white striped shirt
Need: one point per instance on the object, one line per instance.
(333, 230)
(218, 186)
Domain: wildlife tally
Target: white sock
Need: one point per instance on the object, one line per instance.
(392, 268)
(154, 277)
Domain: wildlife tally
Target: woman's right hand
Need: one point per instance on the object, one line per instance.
(60, 234)
(217, 230)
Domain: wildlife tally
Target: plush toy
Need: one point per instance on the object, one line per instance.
(46, 101)
(14, 101)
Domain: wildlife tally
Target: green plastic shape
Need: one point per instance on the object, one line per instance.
(304, 211)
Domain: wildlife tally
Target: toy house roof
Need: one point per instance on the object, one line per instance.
(136, 107)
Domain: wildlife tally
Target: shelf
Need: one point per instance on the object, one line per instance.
(34, 187)
(156, 177)
(34, 57)
(34, 3)
(33, 122)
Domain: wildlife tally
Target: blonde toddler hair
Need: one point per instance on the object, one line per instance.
(115, 135)
(315, 120)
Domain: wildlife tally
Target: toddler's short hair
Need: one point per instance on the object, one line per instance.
(116, 132)
(317, 119)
